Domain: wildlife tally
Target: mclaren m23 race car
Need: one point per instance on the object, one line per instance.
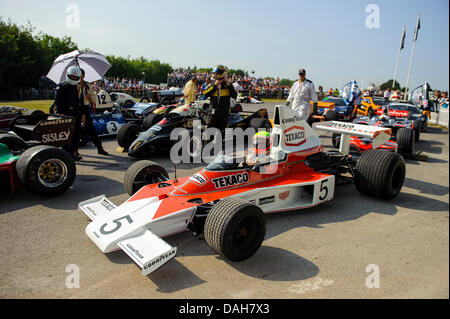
(157, 137)
(30, 155)
(227, 200)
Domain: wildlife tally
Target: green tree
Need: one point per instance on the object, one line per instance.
(238, 72)
(286, 82)
(388, 84)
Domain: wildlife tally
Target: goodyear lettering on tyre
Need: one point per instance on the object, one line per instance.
(230, 180)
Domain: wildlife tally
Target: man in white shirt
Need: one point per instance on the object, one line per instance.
(387, 94)
(302, 92)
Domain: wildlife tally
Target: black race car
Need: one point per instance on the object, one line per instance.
(30, 154)
(157, 137)
(407, 111)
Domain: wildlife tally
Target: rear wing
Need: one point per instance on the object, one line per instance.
(379, 135)
(54, 129)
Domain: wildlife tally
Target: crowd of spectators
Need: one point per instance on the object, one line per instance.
(267, 87)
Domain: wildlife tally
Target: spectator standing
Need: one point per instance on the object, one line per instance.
(219, 93)
(204, 86)
(336, 92)
(437, 97)
(395, 96)
(302, 92)
(443, 102)
(387, 94)
(190, 90)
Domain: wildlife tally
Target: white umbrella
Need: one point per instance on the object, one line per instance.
(94, 64)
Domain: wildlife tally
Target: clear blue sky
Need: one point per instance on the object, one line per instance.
(328, 38)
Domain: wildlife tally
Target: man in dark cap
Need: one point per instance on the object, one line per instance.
(302, 92)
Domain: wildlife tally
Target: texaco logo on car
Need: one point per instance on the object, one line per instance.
(294, 136)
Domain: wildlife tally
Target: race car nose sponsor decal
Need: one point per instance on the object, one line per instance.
(291, 120)
(198, 178)
(283, 195)
(135, 251)
(267, 200)
(397, 113)
(230, 180)
(294, 136)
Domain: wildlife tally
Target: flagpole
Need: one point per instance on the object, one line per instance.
(398, 58)
(412, 56)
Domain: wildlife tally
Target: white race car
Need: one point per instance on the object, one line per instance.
(108, 100)
(228, 199)
(247, 99)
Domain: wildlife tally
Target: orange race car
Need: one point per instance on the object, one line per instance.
(368, 105)
(228, 199)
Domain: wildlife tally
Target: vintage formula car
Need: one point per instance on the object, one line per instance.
(405, 132)
(8, 113)
(157, 137)
(30, 155)
(406, 111)
(227, 201)
(107, 100)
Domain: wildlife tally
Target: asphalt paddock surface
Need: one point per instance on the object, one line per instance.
(330, 251)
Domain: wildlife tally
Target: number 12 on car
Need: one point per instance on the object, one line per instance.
(324, 189)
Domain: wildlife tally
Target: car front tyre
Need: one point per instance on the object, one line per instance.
(235, 228)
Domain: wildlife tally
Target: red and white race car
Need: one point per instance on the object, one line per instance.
(228, 199)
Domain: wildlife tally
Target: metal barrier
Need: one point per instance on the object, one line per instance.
(440, 118)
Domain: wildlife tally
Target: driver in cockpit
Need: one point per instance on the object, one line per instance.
(261, 148)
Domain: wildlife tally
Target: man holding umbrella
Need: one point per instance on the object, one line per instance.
(66, 71)
(68, 102)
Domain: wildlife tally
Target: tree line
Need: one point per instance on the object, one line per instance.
(26, 56)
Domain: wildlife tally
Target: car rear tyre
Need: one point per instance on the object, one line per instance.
(46, 170)
(151, 120)
(406, 140)
(127, 134)
(34, 112)
(417, 129)
(380, 173)
(235, 228)
(14, 143)
(331, 116)
(143, 173)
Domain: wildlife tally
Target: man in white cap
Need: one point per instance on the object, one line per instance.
(302, 92)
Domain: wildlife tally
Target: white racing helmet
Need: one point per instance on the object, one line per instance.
(73, 75)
